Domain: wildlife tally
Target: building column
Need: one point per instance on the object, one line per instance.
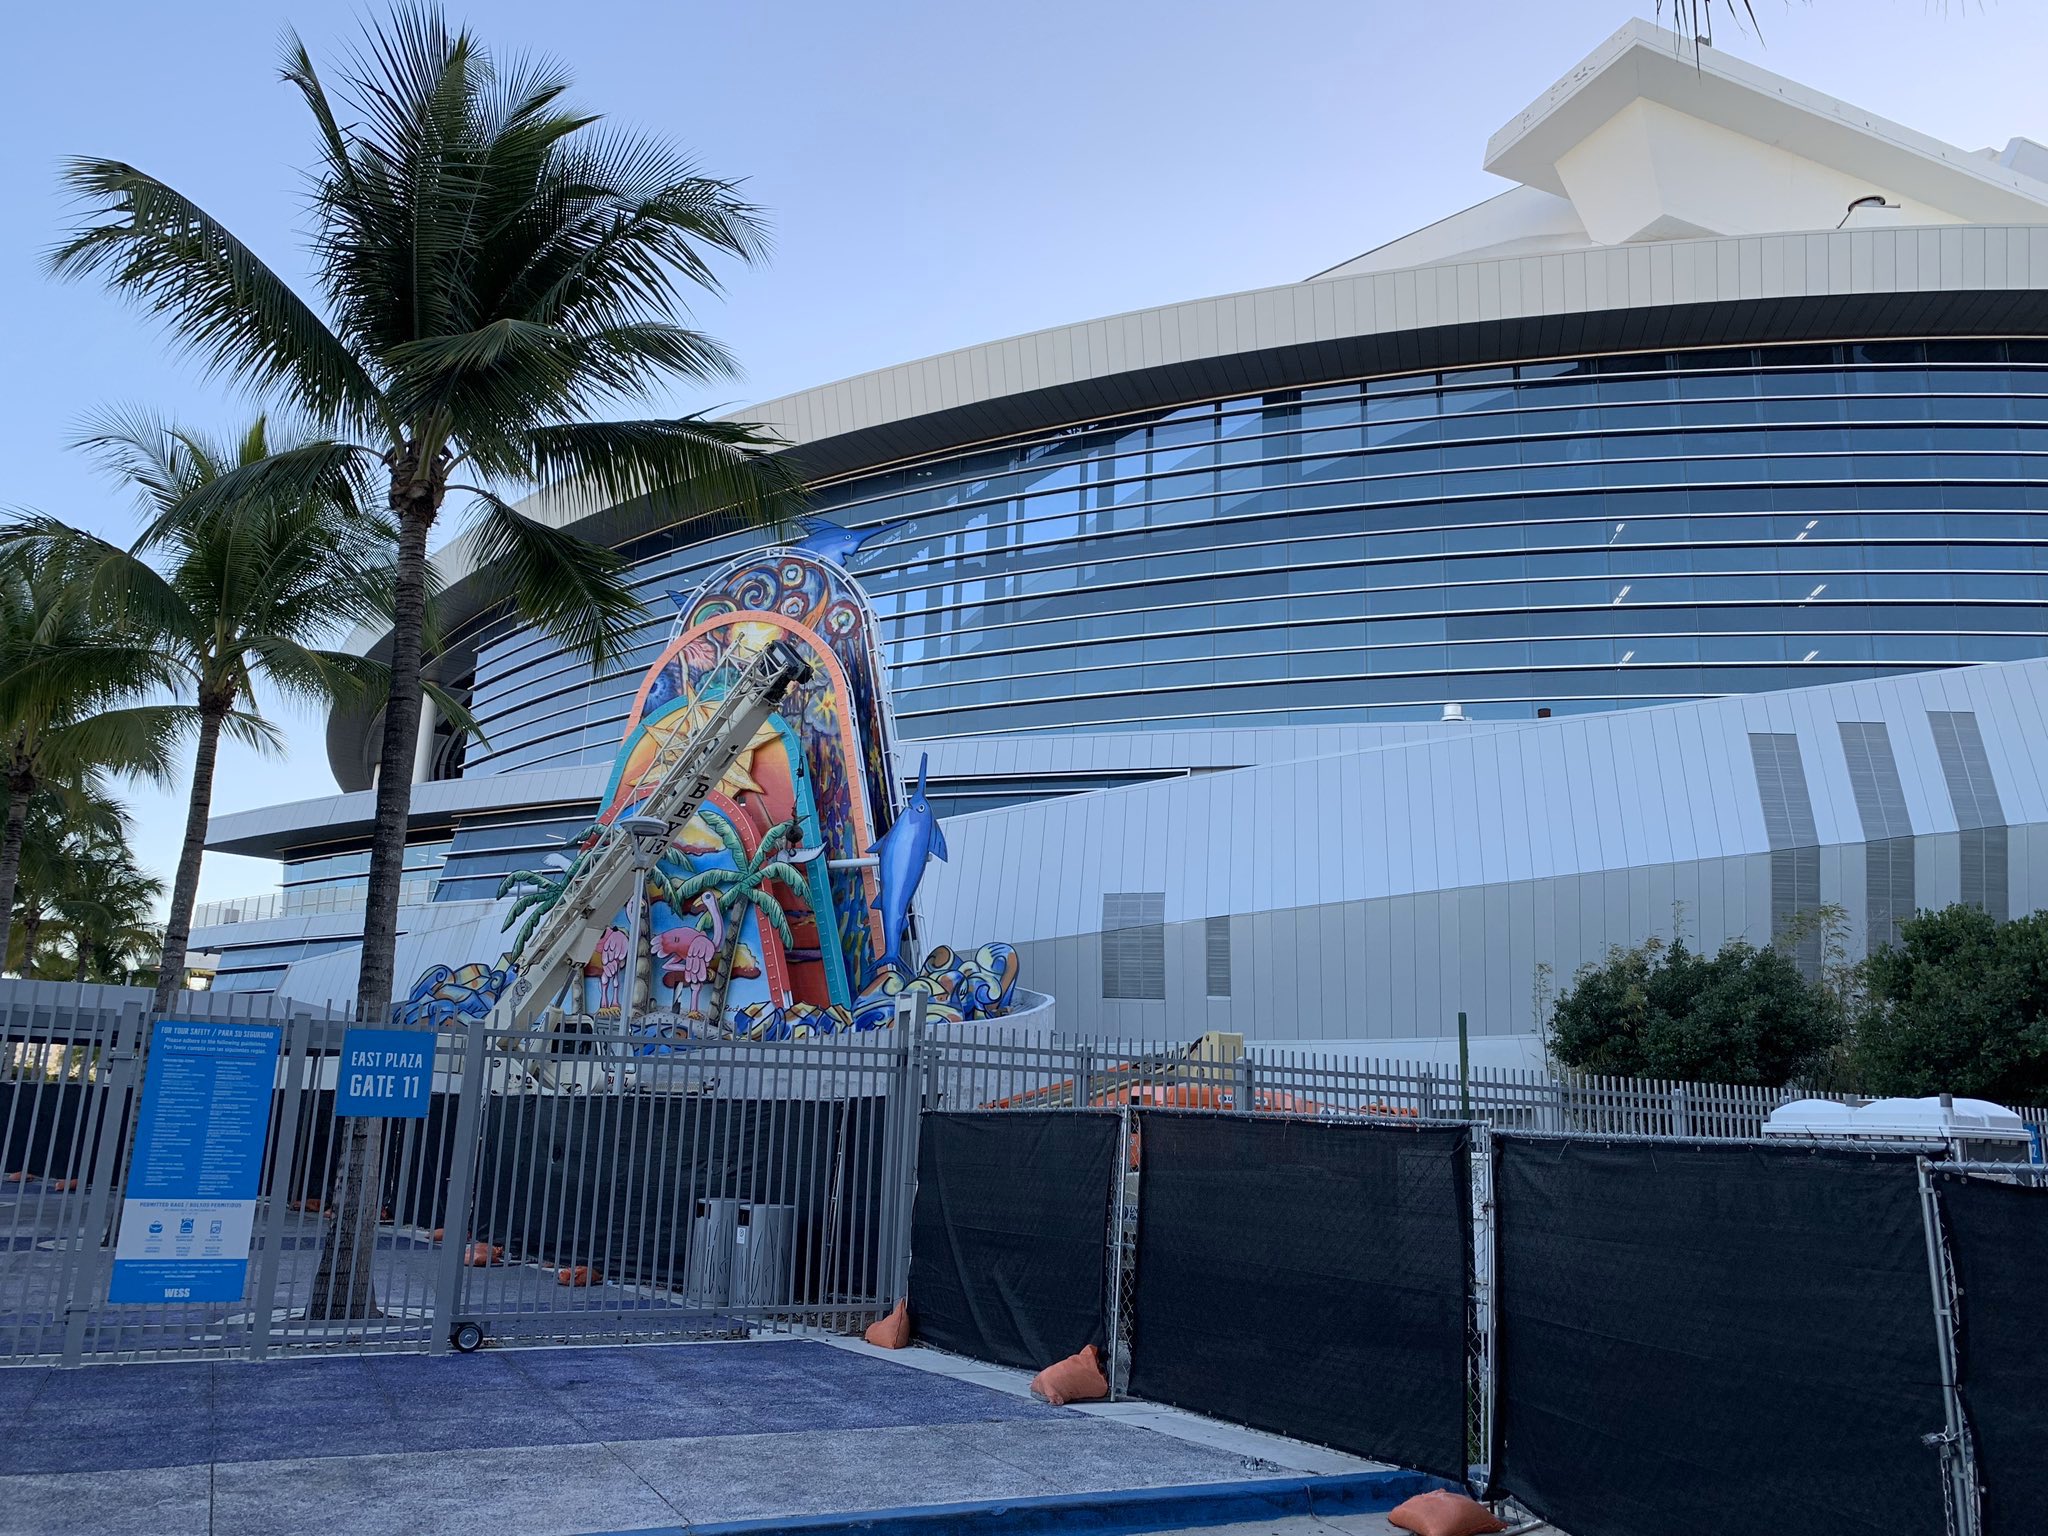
(423, 749)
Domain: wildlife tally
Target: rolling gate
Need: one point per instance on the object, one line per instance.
(739, 1186)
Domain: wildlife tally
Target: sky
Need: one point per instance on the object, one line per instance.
(938, 174)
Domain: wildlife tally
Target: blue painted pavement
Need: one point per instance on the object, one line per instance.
(548, 1442)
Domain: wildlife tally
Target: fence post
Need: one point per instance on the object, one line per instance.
(906, 1096)
(1958, 1454)
(83, 1287)
(1427, 1093)
(1681, 1111)
(1246, 1090)
(298, 1029)
(455, 1212)
(1484, 1249)
(1464, 1068)
(1118, 1365)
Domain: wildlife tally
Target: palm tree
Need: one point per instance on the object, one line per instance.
(104, 903)
(747, 884)
(239, 590)
(495, 269)
(59, 818)
(67, 682)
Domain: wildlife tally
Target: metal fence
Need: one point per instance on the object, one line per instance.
(998, 1069)
(557, 1189)
(304, 901)
(562, 1187)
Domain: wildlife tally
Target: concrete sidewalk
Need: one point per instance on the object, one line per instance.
(557, 1442)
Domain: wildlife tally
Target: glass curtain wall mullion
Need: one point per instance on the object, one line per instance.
(1465, 496)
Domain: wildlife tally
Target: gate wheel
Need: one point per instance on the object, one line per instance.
(468, 1336)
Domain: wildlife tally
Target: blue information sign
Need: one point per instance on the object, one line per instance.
(384, 1072)
(189, 1210)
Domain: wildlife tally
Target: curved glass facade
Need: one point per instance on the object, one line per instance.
(1566, 535)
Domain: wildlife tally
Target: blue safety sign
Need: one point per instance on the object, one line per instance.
(189, 1209)
(384, 1072)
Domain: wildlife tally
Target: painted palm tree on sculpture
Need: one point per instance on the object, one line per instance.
(748, 886)
(539, 889)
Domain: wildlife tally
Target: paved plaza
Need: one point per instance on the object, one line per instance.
(557, 1442)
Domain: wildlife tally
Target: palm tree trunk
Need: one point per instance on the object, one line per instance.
(84, 959)
(344, 1285)
(728, 957)
(19, 786)
(185, 887)
(394, 772)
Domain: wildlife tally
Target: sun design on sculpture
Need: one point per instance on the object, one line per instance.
(672, 732)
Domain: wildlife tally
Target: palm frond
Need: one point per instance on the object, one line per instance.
(218, 298)
(138, 739)
(137, 447)
(108, 582)
(315, 676)
(771, 913)
(573, 589)
(252, 730)
(454, 711)
(688, 468)
(321, 470)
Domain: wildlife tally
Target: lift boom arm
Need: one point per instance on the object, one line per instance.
(601, 880)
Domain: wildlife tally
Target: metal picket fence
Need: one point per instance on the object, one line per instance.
(562, 1187)
(557, 1189)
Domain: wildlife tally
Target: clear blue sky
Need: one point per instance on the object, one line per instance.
(939, 173)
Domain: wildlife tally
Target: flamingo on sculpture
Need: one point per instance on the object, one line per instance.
(611, 951)
(689, 953)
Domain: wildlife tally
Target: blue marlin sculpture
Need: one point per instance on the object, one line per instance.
(829, 541)
(901, 853)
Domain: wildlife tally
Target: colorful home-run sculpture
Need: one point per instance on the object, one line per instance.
(785, 907)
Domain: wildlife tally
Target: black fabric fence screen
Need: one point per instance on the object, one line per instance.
(1704, 1340)
(1308, 1279)
(566, 1180)
(1998, 1243)
(43, 1136)
(1009, 1235)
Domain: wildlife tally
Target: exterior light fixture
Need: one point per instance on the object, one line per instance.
(1868, 200)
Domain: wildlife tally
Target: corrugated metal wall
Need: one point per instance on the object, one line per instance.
(1374, 894)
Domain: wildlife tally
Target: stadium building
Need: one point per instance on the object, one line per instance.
(1282, 658)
